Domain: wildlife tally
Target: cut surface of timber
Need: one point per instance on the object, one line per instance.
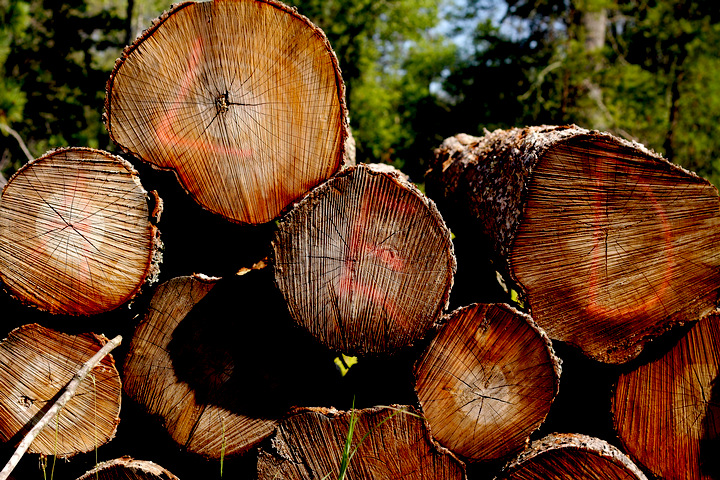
(487, 381)
(127, 468)
(241, 98)
(365, 262)
(211, 359)
(388, 442)
(36, 364)
(77, 232)
(611, 244)
(571, 457)
(667, 411)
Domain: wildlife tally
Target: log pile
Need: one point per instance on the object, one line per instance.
(601, 246)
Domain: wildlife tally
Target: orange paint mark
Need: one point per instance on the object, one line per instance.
(165, 131)
(598, 255)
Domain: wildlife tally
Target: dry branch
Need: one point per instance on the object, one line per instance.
(571, 457)
(667, 411)
(36, 364)
(487, 381)
(365, 262)
(612, 244)
(243, 99)
(388, 443)
(126, 468)
(77, 233)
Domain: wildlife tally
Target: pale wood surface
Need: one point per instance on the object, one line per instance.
(127, 468)
(77, 233)
(487, 381)
(243, 99)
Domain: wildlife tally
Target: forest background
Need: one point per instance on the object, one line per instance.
(416, 71)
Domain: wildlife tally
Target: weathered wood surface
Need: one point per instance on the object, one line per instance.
(243, 99)
(365, 262)
(127, 468)
(667, 410)
(78, 232)
(611, 244)
(487, 381)
(571, 457)
(36, 363)
(386, 443)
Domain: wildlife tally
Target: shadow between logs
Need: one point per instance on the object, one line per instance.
(238, 349)
(710, 437)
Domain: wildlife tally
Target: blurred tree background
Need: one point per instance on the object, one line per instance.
(417, 71)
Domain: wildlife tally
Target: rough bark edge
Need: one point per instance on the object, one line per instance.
(155, 209)
(316, 195)
(129, 463)
(102, 340)
(346, 152)
(554, 359)
(572, 441)
(279, 449)
(473, 162)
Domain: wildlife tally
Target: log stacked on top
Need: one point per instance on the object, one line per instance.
(611, 244)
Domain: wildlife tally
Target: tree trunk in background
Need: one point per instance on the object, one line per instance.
(387, 442)
(667, 411)
(126, 468)
(611, 244)
(36, 364)
(243, 100)
(571, 457)
(365, 262)
(486, 382)
(77, 232)
(594, 27)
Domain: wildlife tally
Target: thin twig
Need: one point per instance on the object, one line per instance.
(60, 403)
(19, 139)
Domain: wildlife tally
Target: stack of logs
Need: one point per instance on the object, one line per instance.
(566, 240)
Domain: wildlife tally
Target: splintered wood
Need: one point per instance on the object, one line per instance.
(611, 244)
(365, 262)
(36, 364)
(571, 457)
(126, 468)
(387, 443)
(243, 99)
(77, 235)
(667, 411)
(487, 381)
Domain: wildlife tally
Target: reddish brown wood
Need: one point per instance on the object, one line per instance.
(611, 244)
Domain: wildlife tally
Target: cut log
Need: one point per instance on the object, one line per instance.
(127, 468)
(36, 364)
(571, 457)
(387, 442)
(365, 262)
(77, 233)
(667, 411)
(243, 99)
(486, 382)
(218, 360)
(611, 244)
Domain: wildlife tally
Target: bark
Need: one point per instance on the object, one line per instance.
(37, 364)
(365, 262)
(611, 244)
(667, 411)
(210, 358)
(387, 442)
(571, 457)
(126, 468)
(242, 99)
(487, 381)
(77, 233)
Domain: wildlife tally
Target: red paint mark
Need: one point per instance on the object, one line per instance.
(598, 255)
(165, 131)
(358, 248)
